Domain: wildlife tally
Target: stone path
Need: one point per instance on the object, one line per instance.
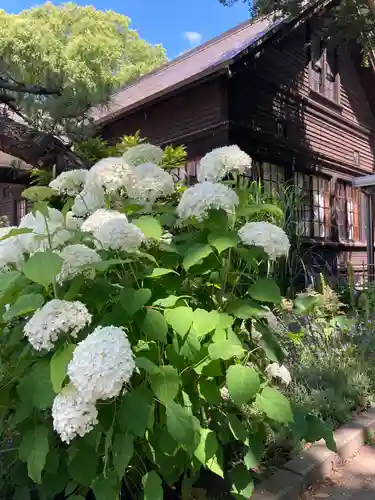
(355, 480)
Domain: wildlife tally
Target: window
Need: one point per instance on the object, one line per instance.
(272, 177)
(281, 129)
(356, 158)
(350, 213)
(21, 209)
(313, 211)
(187, 174)
(324, 77)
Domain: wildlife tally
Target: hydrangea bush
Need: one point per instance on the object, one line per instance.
(135, 329)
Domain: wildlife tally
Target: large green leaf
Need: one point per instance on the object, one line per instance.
(149, 226)
(275, 405)
(195, 255)
(104, 490)
(136, 412)
(180, 319)
(154, 325)
(43, 267)
(265, 290)
(255, 451)
(83, 465)
(237, 428)
(122, 452)
(225, 349)
(165, 384)
(209, 390)
(35, 388)
(152, 486)
(305, 304)
(59, 365)
(38, 193)
(245, 309)
(183, 427)
(170, 301)
(207, 446)
(242, 383)
(222, 240)
(157, 272)
(8, 279)
(242, 482)
(25, 304)
(147, 365)
(133, 300)
(204, 321)
(33, 450)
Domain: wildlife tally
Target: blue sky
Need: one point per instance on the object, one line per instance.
(177, 24)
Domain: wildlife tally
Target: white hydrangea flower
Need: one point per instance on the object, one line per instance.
(112, 174)
(75, 257)
(119, 234)
(143, 153)
(72, 415)
(54, 319)
(11, 249)
(271, 238)
(150, 182)
(47, 231)
(199, 199)
(218, 163)
(70, 183)
(91, 198)
(72, 222)
(275, 370)
(102, 363)
(99, 217)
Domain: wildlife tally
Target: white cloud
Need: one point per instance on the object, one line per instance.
(194, 38)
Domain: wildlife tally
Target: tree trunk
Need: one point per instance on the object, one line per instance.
(36, 148)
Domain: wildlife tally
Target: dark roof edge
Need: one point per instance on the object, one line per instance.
(219, 68)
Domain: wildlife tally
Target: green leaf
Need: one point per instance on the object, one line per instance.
(210, 391)
(204, 322)
(305, 304)
(25, 304)
(8, 279)
(147, 365)
(195, 255)
(237, 428)
(160, 271)
(222, 241)
(224, 349)
(165, 384)
(242, 483)
(275, 405)
(270, 344)
(154, 325)
(242, 383)
(255, 451)
(265, 290)
(207, 446)
(35, 388)
(43, 267)
(133, 300)
(21, 493)
(59, 365)
(152, 486)
(83, 466)
(169, 301)
(38, 193)
(149, 226)
(122, 452)
(183, 427)
(33, 450)
(264, 207)
(245, 309)
(180, 319)
(104, 490)
(136, 412)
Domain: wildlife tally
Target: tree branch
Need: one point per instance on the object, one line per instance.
(36, 148)
(24, 88)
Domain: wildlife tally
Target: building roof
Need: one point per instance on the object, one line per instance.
(189, 67)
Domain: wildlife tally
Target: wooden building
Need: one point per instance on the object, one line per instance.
(13, 177)
(302, 107)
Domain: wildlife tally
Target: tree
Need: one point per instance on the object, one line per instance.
(57, 63)
(348, 18)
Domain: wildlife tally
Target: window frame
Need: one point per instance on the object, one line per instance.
(189, 171)
(21, 209)
(353, 204)
(324, 61)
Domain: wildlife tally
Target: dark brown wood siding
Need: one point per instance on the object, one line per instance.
(10, 195)
(196, 118)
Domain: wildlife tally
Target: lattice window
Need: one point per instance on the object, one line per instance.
(21, 209)
(324, 73)
(350, 203)
(273, 177)
(187, 174)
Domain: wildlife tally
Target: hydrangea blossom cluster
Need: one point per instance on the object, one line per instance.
(198, 200)
(99, 217)
(91, 198)
(150, 182)
(281, 372)
(102, 364)
(56, 318)
(112, 174)
(69, 183)
(119, 234)
(11, 249)
(216, 164)
(72, 414)
(75, 258)
(143, 153)
(271, 238)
